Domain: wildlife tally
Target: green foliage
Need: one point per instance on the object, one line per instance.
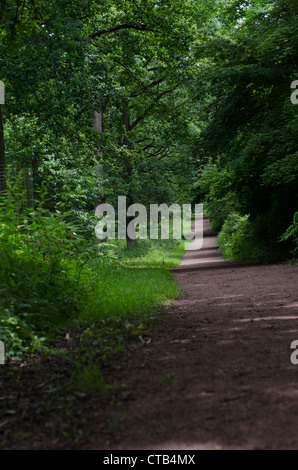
(215, 184)
(121, 291)
(251, 124)
(214, 180)
(218, 211)
(88, 377)
(292, 233)
(120, 59)
(238, 241)
(52, 277)
(152, 253)
(195, 103)
(40, 273)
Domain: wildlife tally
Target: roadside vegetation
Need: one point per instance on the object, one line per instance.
(163, 102)
(53, 277)
(249, 177)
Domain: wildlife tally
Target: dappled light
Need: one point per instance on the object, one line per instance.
(219, 364)
(242, 320)
(148, 226)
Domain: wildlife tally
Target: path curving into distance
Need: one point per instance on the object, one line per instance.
(216, 372)
(208, 255)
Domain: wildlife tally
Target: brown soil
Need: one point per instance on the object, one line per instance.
(216, 373)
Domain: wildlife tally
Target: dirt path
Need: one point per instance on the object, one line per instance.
(216, 374)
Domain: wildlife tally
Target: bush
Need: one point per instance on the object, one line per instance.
(40, 284)
(215, 184)
(292, 233)
(238, 240)
(218, 212)
(53, 275)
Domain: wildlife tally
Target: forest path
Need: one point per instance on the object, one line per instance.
(216, 372)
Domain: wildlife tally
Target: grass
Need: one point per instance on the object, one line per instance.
(152, 253)
(111, 306)
(127, 295)
(53, 279)
(124, 290)
(136, 280)
(88, 377)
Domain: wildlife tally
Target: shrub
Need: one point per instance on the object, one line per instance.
(292, 233)
(218, 212)
(40, 286)
(239, 241)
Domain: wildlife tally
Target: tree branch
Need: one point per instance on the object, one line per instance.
(161, 152)
(158, 98)
(147, 87)
(135, 26)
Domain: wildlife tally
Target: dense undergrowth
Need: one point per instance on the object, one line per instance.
(53, 277)
(242, 236)
(241, 239)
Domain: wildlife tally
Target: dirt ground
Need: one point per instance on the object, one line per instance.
(217, 371)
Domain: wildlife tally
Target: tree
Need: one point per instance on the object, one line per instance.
(128, 61)
(252, 124)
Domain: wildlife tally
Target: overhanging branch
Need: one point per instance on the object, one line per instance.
(156, 100)
(147, 87)
(135, 26)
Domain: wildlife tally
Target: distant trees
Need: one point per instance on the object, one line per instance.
(127, 61)
(174, 86)
(251, 129)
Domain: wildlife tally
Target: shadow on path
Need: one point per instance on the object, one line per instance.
(208, 256)
(216, 372)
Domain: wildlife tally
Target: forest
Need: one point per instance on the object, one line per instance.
(163, 102)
